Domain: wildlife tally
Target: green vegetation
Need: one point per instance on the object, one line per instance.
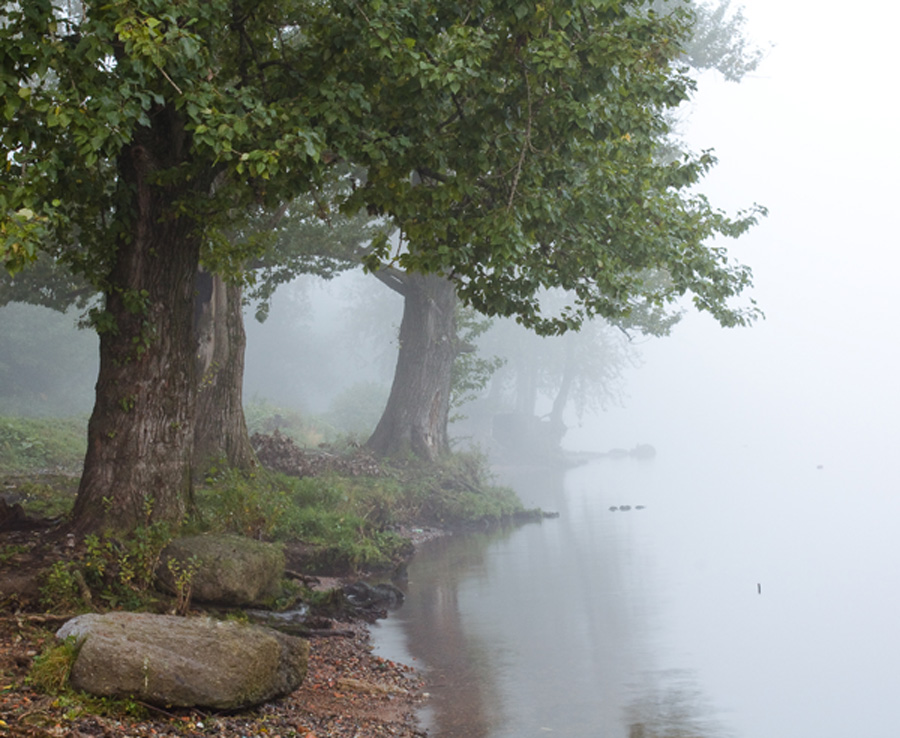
(516, 149)
(7, 553)
(29, 445)
(348, 521)
(49, 675)
(264, 416)
(352, 518)
(50, 671)
(110, 572)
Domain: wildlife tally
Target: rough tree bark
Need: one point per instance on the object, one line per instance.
(140, 436)
(417, 413)
(220, 431)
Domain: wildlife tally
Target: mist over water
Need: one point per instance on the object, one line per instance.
(748, 598)
(754, 596)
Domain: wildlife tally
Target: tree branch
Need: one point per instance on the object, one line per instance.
(393, 278)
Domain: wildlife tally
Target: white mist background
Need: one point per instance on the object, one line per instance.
(811, 135)
(744, 418)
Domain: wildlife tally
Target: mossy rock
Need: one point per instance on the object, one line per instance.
(226, 570)
(183, 662)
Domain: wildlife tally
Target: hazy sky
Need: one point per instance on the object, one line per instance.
(812, 136)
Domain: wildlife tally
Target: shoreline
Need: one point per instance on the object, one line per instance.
(348, 692)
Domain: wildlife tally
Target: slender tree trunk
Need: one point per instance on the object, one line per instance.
(220, 431)
(417, 413)
(556, 418)
(140, 435)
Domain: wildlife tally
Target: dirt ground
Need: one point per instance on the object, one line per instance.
(348, 691)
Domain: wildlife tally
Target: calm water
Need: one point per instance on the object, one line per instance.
(756, 596)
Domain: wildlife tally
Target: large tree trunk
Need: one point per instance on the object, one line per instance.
(140, 436)
(417, 413)
(220, 432)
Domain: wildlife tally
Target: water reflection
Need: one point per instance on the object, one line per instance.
(461, 677)
(670, 704)
(547, 628)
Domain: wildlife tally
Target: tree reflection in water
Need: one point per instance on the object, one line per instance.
(547, 628)
(670, 704)
(464, 701)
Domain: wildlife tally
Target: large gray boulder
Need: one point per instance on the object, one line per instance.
(224, 569)
(183, 662)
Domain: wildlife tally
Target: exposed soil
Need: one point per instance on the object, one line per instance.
(348, 692)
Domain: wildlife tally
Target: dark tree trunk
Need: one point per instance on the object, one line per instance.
(220, 431)
(140, 436)
(417, 413)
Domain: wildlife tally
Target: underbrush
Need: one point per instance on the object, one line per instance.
(330, 512)
(351, 523)
(264, 416)
(355, 517)
(457, 491)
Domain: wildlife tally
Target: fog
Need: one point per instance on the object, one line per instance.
(810, 135)
(774, 443)
(321, 338)
(775, 447)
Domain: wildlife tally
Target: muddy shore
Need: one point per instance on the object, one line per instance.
(348, 691)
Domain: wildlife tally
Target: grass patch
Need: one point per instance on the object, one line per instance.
(351, 518)
(36, 445)
(458, 491)
(50, 671)
(331, 512)
(354, 517)
(47, 496)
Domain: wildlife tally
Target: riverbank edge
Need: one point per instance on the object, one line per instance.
(348, 691)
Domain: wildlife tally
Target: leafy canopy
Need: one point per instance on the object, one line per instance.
(516, 144)
(544, 164)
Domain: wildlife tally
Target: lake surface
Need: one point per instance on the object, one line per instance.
(756, 595)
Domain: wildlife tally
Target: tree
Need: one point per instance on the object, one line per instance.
(138, 131)
(718, 40)
(418, 408)
(299, 237)
(553, 170)
(220, 429)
